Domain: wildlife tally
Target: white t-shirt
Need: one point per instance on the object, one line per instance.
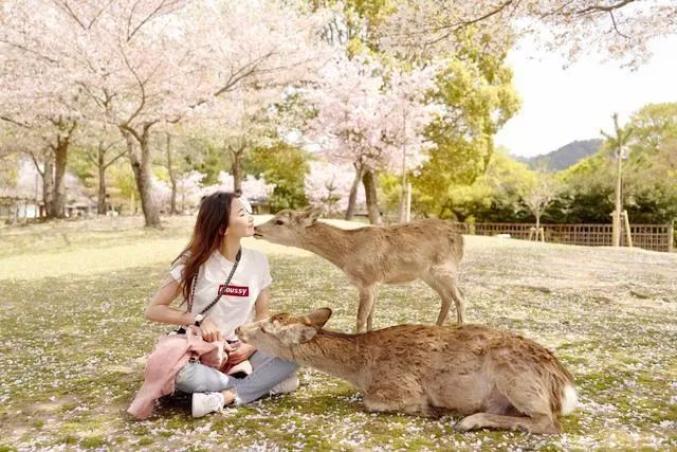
(236, 306)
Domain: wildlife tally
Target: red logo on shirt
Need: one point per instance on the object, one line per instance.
(234, 291)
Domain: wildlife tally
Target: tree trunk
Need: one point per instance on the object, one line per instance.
(172, 175)
(48, 186)
(369, 180)
(141, 167)
(237, 168)
(352, 197)
(101, 196)
(60, 159)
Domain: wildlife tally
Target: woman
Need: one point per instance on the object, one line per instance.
(199, 275)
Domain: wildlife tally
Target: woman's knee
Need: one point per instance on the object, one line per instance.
(196, 377)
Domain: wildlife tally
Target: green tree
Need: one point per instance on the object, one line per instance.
(649, 190)
(123, 191)
(477, 89)
(475, 86)
(285, 166)
(494, 195)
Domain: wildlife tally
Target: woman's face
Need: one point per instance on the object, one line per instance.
(241, 224)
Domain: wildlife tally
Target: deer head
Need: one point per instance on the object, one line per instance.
(277, 334)
(288, 226)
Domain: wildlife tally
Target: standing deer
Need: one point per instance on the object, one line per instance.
(427, 249)
(496, 378)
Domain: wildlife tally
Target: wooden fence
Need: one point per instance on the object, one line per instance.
(657, 237)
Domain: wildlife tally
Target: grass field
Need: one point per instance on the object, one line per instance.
(73, 341)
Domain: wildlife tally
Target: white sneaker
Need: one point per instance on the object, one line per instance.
(291, 384)
(205, 403)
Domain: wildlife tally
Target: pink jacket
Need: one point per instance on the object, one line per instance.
(171, 353)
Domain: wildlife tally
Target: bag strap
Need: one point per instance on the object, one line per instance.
(218, 295)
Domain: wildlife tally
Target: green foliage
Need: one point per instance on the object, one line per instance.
(81, 164)
(652, 126)
(124, 184)
(586, 189)
(207, 158)
(494, 195)
(390, 191)
(477, 89)
(285, 166)
(649, 173)
(9, 166)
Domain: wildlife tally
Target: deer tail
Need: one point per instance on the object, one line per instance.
(563, 396)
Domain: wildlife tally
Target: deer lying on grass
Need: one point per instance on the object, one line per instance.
(497, 379)
(427, 249)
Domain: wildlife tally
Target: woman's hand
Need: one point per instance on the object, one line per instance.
(243, 352)
(210, 333)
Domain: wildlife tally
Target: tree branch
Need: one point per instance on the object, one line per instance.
(149, 17)
(26, 49)
(69, 12)
(142, 88)
(114, 159)
(129, 130)
(37, 165)
(242, 72)
(604, 8)
(613, 21)
(15, 122)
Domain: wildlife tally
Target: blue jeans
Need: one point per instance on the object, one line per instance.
(267, 372)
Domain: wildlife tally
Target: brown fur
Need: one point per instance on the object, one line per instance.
(496, 378)
(429, 250)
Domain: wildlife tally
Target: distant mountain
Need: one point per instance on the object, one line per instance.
(565, 156)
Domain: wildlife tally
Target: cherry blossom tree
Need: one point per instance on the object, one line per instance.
(237, 122)
(252, 187)
(406, 98)
(620, 29)
(141, 63)
(328, 186)
(40, 106)
(101, 146)
(189, 189)
(373, 119)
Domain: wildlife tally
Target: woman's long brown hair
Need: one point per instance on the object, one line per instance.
(211, 224)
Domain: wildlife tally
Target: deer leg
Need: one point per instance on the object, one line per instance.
(526, 395)
(434, 282)
(393, 399)
(370, 318)
(539, 424)
(443, 281)
(458, 301)
(365, 308)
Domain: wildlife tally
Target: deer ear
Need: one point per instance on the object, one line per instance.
(313, 213)
(317, 318)
(308, 216)
(296, 334)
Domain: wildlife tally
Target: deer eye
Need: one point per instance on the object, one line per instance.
(279, 222)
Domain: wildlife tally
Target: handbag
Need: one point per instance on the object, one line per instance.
(182, 330)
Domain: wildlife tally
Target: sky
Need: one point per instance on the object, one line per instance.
(562, 105)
